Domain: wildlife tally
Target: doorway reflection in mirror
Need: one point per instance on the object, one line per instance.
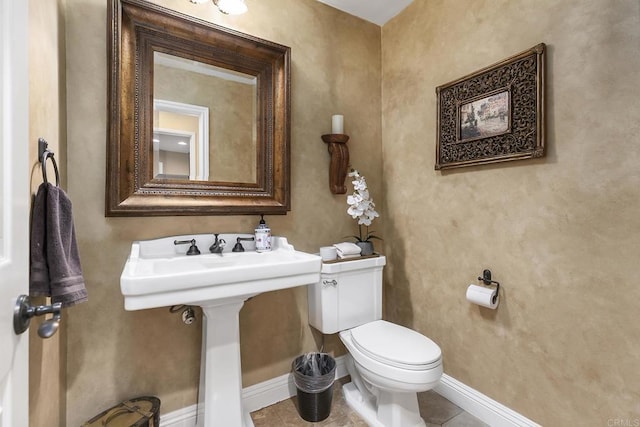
(180, 141)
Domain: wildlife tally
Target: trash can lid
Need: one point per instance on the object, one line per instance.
(137, 412)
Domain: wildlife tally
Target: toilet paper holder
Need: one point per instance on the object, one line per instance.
(486, 279)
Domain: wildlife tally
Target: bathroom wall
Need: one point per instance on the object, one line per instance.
(114, 354)
(47, 119)
(561, 234)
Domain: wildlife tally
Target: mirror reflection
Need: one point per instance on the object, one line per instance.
(180, 141)
(204, 122)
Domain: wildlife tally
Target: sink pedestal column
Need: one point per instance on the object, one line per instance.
(220, 370)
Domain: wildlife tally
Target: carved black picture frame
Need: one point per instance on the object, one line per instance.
(493, 115)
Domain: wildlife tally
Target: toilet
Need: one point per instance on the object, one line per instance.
(388, 363)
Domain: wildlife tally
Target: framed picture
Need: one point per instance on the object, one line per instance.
(493, 115)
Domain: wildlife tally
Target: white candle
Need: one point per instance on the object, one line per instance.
(337, 124)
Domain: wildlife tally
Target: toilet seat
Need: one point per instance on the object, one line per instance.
(396, 346)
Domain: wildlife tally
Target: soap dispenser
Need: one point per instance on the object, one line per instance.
(263, 236)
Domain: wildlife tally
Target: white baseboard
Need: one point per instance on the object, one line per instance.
(185, 417)
(275, 390)
(480, 406)
(254, 397)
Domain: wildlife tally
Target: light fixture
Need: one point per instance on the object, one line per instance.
(231, 7)
(337, 146)
(228, 7)
(182, 143)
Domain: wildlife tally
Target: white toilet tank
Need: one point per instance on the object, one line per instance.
(349, 294)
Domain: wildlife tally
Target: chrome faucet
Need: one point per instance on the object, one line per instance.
(218, 246)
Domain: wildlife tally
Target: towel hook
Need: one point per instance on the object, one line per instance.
(43, 154)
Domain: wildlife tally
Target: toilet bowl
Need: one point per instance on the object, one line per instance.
(388, 363)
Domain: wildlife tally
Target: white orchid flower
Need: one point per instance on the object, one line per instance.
(359, 184)
(361, 207)
(354, 199)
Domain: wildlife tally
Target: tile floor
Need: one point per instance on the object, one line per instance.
(435, 409)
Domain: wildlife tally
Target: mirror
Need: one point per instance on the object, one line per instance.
(199, 117)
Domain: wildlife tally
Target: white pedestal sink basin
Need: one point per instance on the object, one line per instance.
(159, 273)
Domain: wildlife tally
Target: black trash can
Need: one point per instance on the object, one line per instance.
(314, 374)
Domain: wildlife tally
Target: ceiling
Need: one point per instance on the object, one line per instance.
(376, 11)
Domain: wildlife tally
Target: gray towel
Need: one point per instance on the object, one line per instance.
(55, 261)
(39, 273)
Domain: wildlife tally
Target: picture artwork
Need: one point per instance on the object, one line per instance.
(493, 115)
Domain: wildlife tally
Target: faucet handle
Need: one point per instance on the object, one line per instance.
(238, 246)
(193, 249)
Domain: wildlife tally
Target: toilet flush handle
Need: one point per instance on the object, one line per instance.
(326, 283)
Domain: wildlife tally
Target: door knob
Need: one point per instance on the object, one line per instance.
(24, 311)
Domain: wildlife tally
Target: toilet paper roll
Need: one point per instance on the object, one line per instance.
(486, 297)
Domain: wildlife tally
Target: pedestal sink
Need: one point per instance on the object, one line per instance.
(158, 273)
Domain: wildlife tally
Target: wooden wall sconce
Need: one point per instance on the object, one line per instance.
(337, 146)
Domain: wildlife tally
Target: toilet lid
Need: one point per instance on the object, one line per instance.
(396, 345)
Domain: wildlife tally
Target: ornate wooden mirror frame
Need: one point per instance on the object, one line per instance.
(137, 30)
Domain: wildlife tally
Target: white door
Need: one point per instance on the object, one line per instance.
(14, 209)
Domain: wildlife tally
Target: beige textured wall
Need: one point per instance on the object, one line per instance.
(47, 115)
(561, 234)
(114, 354)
